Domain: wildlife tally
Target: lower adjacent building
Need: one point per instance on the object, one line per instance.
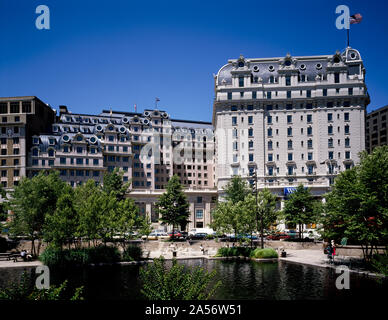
(376, 128)
(148, 147)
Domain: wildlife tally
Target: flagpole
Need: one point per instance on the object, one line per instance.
(347, 31)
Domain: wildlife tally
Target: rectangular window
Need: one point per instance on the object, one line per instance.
(289, 119)
(3, 107)
(241, 81)
(234, 121)
(336, 77)
(15, 107)
(324, 91)
(254, 95)
(288, 94)
(269, 95)
(229, 95)
(308, 93)
(26, 106)
(329, 117)
(288, 80)
(290, 157)
(350, 91)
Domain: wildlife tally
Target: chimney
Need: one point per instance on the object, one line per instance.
(62, 110)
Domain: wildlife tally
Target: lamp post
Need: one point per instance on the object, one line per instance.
(254, 176)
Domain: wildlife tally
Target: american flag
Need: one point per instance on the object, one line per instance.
(356, 18)
(157, 99)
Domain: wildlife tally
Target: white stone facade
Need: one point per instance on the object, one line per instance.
(293, 119)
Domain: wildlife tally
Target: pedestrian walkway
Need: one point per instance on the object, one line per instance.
(21, 264)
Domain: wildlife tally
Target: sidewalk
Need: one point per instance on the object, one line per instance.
(21, 264)
(319, 259)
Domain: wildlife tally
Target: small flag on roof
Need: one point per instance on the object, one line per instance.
(356, 18)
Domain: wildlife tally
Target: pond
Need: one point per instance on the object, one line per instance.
(240, 280)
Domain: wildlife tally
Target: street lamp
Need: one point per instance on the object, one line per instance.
(254, 175)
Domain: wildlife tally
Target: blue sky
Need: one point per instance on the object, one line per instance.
(102, 54)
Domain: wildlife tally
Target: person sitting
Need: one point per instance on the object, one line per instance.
(23, 255)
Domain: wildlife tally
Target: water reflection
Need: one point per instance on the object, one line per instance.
(240, 280)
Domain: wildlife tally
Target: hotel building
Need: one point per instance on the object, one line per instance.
(291, 119)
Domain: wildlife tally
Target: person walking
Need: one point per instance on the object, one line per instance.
(329, 252)
(333, 249)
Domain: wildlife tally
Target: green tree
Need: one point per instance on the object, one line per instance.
(125, 219)
(3, 204)
(226, 218)
(31, 201)
(61, 225)
(89, 201)
(267, 208)
(113, 182)
(145, 226)
(236, 190)
(177, 283)
(357, 206)
(172, 206)
(299, 208)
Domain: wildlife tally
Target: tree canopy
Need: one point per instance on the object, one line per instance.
(172, 206)
(357, 206)
(299, 208)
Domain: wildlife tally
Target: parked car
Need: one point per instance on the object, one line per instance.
(202, 230)
(177, 234)
(198, 236)
(311, 234)
(156, 236)
(278, 236)
(292, 233)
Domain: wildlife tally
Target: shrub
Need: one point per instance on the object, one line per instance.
(132, 253)
(55, 257)
(176, 283)
(26, 290)
(264, 253)
(234, 252)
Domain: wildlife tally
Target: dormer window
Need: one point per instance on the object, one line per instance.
(241, 64)
(287, 63)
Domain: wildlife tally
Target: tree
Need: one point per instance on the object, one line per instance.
(124, 219)
(89, 200)
(113, 182)
(236, 190)
(172, 205)
(145, 226)
(176, 283)
(3, 204)
(357, 206)
(31, 201)
(267, 208)
(226, 218)
(60, 226)
(299, 208)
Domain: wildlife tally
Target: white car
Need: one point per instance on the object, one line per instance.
(156, 235)
(208, 231)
